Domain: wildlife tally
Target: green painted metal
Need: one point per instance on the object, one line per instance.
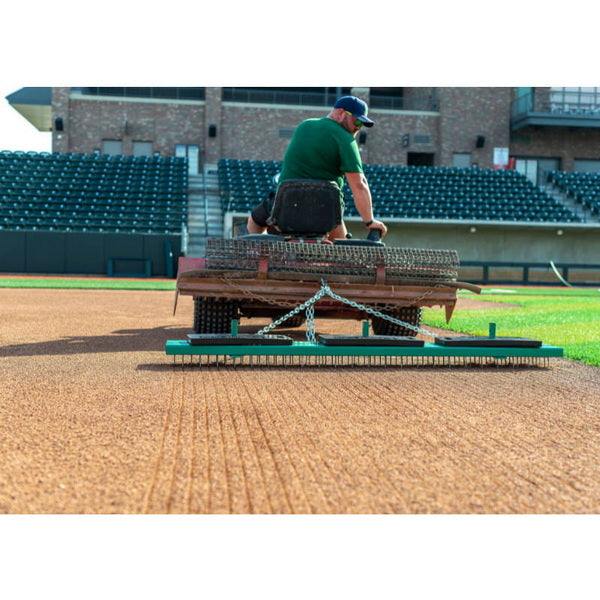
(184, 348)
(365, 328)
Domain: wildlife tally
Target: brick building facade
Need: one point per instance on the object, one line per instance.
(439, 126)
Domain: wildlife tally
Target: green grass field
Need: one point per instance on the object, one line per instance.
(566, 317)
(85, 283)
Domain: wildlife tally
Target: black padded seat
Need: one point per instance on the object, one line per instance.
(309, 207)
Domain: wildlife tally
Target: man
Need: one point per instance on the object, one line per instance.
(326, 149)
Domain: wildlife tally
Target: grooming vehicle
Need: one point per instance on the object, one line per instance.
(295, 275)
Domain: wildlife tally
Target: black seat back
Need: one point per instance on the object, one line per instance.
(308, 207)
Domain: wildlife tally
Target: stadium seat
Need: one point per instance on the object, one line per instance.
(87, 185)
(412, 192)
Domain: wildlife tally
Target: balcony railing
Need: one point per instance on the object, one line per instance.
(573, 109)
(321, 98)
(162, 93)
(423, 103)
(298, 98)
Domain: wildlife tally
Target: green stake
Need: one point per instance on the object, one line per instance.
(492, 332)
(365, 328)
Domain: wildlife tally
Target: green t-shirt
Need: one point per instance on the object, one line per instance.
(321, 149)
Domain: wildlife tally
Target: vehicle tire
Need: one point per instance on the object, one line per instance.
(409, 314)
(295, 321)
(214, 315)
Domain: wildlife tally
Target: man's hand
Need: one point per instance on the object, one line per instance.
(362, 200)
(378, 225)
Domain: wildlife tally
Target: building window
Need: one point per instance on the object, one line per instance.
(309, 96)
(566, 99)
(389, 97)
(397, 98)
(162, 93)
(112, 147)
(142, 148)
(528, 167)
(587, 165)
(461, 159)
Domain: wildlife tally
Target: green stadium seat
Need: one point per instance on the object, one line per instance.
(44, 187)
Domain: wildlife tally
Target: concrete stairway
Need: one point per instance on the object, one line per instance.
(199, 227)
(570, 203)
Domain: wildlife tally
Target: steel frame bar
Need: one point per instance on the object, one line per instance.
(184, 348)
(298, 291)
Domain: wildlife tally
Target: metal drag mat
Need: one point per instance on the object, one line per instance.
(400, 264)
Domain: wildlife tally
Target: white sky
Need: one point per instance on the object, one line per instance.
(16, 132)
(266, 44)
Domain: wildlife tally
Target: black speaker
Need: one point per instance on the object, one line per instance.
(480, 141)
(405, 140)
(58, 124)
(362, 137)
(212, 131)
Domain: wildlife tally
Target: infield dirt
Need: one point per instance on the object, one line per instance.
(94, 418)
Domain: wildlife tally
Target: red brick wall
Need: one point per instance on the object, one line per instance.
(254, 131)
(468, 112)
(60, 108)
(564, 143)
(89, 121)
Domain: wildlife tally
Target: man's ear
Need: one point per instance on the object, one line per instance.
(338, 114)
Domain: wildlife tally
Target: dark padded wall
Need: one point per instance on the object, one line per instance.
(12, 252)
(154, 249)
(45, 253)
(80, 253)
(85, 253)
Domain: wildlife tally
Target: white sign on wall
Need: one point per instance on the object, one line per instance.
(500, 157)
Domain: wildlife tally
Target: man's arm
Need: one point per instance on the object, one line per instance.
(363, 201)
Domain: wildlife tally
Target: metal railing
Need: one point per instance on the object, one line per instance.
(204, 194)
(506, 273)
(424, 103)
(185, 238)
(162, 93)
(325, 98)
(258, 96)
(557, 103)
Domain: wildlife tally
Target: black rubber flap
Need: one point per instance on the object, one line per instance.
(486, 342)
(243, 339)
(371, 340)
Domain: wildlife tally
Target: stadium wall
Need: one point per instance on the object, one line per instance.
(489, 243)
(504, 244)
(54, 252)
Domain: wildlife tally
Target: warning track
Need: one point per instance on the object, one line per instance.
(94, 418)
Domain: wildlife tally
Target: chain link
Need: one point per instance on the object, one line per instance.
(310, 324)
(374, 312)
(254, 295)
(325, 290)
(284, 304)
(304, 306)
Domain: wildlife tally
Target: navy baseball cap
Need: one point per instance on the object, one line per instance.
(357, 107)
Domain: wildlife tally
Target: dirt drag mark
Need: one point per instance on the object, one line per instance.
(263, 442)
(94, 418)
